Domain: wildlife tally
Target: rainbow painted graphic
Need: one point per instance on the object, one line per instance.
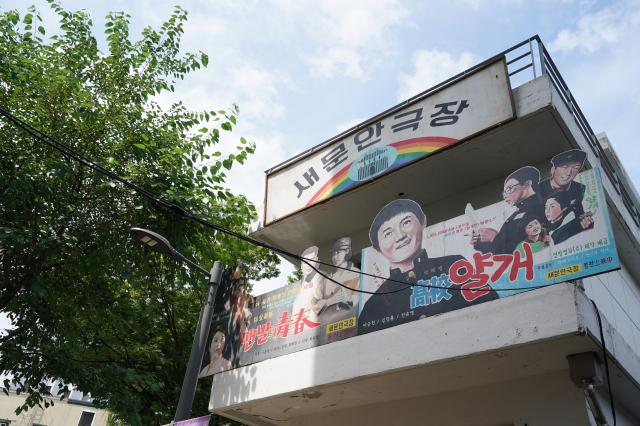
(407, 151)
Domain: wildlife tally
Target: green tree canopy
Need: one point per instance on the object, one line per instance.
(89, 306)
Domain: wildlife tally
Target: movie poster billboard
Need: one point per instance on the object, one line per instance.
(544, 231)
(541, 230)
(320, 308)
(478, 101)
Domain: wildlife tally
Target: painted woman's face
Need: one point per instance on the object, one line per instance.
(533, 228)
(552, 210)
(217, 343)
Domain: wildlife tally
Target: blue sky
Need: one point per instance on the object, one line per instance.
(300, 71)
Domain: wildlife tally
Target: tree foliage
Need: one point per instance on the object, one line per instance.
(89, 306)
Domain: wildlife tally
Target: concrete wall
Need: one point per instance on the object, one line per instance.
(546, 400)
(617, 296)
(623, 416)
(545, 314)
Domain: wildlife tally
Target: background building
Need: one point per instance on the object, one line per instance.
(76, 410)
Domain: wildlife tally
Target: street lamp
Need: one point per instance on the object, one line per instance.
(160, 244)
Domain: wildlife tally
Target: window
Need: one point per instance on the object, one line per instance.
(86, 418)
(5, 422)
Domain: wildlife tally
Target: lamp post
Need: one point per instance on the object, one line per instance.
(160, 244)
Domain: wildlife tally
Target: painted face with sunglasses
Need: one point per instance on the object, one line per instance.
(514, 191)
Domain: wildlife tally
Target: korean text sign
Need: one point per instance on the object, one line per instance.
(477, 102)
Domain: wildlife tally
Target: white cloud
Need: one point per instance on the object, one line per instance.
(256, 90)
(479, 4)
(593, 31)
(606, 84)
(338, 60)
(5, 323)
(348, 124)
(265, 286)
(249, 179)
(431, 68)
(352, 37)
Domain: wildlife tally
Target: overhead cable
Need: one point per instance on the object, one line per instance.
(180, 211)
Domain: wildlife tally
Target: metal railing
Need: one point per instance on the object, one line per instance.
(534, 55)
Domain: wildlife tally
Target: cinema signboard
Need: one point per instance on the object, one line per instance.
(409, 132)
(541, 229)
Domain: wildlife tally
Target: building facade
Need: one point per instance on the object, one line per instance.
(75, 410)
(564, 352)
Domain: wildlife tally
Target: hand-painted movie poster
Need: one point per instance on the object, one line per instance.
(544, 231)
(320, 308)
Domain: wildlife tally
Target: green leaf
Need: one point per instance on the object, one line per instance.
(91, 306)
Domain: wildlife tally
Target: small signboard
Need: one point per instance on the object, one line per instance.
(198, 421)
(408, 133)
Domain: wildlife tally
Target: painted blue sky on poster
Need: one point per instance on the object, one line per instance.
(301, 71)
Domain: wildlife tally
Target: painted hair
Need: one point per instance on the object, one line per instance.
(524, 174)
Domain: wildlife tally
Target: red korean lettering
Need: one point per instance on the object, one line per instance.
(503, 260)
(520, 263)
(264, 330)
(475, 288)
(473, 285)
(482, 260)
(248, 339)
(455, 274)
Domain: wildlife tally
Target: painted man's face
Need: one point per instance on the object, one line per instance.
(513, 192)
(339, 257)
(306, 267)
(400, 238)
(565, 174)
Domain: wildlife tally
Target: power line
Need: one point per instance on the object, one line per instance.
(175, 209)
(606, 362)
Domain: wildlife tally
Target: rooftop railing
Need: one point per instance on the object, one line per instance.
(532, 54)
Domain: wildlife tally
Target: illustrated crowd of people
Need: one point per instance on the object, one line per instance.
(547, 212)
